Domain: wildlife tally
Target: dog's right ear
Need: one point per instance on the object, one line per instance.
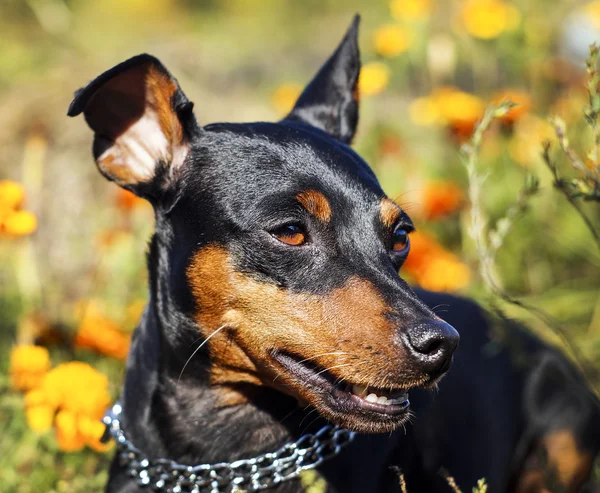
(142, 122)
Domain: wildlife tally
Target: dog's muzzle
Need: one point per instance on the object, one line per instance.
(244, 475)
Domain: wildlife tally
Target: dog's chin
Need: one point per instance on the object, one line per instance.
(354, 407)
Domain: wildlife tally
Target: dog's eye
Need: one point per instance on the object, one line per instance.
(400, 240)
(291, 234)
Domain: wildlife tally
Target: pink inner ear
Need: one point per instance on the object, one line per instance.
(136, 127)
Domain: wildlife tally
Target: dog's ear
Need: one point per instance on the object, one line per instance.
(142, 124)
(330, 101)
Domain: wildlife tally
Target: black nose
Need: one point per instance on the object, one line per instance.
(431, 344)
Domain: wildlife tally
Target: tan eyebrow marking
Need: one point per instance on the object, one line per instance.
(315, 203)
(389, 212)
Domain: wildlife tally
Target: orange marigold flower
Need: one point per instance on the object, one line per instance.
(19, 223)
(39, 418)
(391, 40)
(73, 395)
(449, 106)
(67, 434)
(28, 365)
(411, 9)
(520, 98)
(12, 195)
(441, 198)
(524, 146)
(487, 19)
(373, 79)
(77, 387)
(433, 267)
(92, 430)
(100, 334)
(285, 96)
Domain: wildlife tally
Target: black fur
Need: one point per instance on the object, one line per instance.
(237, 184)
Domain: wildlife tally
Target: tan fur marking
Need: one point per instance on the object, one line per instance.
(389, 213)
(316, 203)
(346, 327)
(571, 465)
(160, 91)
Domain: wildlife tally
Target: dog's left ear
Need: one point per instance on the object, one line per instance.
(142, 123)
(330, 101)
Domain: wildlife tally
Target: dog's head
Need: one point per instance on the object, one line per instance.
(280, 243)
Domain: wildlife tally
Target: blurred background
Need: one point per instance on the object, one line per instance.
(72, 245)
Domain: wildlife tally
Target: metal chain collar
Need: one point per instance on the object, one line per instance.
(244, 475)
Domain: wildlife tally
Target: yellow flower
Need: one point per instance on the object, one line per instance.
(67, 434)
(39, 418)
(448, 106)
(592, 11)
(487, 19)
(92, 430)
(374, 78)
(19, 223)
(28, 365)
(12, 195)
(525, 145)
(77, 387)
(410, 9)
(424, 111)
(78, 395)
(100, 334)
(285, 96)
(391, 40)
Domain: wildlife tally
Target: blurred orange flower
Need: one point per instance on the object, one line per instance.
(521, 98)
(127, 201)
(285, 96)
(28, 365)
(20, 223)
(525, 146)
(433, 267)
(374, 78)
(441, 198)
(76, 395)
(410, 9)
(391, 40)
(592, 11)
(13, 220)
(487, 19)
(12, 195)
(100, 334)
(449, 106)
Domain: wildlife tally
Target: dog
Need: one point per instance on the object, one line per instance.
(279, 336)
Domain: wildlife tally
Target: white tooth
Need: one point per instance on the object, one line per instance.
(359, 390)
(382, 400)
(372, 398)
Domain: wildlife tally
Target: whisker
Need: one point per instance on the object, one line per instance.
(324, 354)
(339, 366)
(307, 415)
(196, 350)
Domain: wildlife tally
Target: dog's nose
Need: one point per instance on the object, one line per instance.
(431, 344)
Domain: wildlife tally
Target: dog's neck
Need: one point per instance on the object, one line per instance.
(175, 415)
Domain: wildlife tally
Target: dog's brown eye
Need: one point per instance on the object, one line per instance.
(400, 240)
(290, 234)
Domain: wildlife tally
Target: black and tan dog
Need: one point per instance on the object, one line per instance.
(274, 293)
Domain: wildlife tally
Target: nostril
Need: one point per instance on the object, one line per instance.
(432, 343)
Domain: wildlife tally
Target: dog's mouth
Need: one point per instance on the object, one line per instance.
(360, 408)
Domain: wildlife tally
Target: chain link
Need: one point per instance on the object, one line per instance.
(244, 475)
